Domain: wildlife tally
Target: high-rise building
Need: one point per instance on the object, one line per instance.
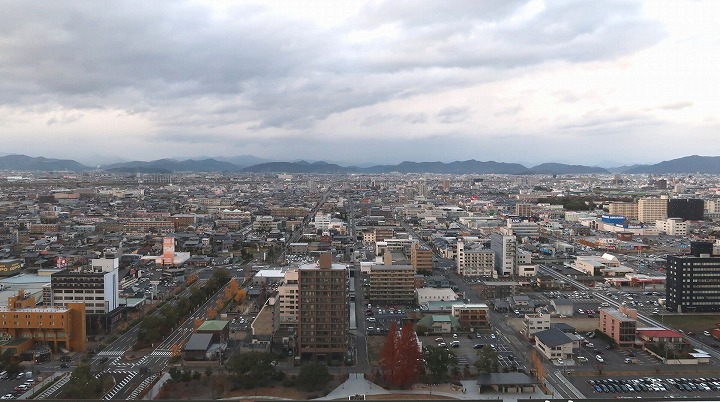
(323, 315)
(392, 283)
(504, 246)
(652, 209)
(693, 281)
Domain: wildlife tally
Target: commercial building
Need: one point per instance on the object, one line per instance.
(652, 209)
(621, 326)
(693, 280)
(533, 323)
(554, 344)
(323, 315)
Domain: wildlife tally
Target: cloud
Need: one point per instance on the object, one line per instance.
(453, 114)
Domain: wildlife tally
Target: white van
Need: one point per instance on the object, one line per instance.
(3, 375)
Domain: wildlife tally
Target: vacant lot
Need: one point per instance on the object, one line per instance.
(690, 322)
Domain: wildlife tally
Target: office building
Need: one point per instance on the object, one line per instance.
(323, 316)
(652, 209)
(686, 209)
(693, 281)
(672, 226)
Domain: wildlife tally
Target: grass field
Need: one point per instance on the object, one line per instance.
(690, 322)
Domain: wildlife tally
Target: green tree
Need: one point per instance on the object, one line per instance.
(438, 360)
(313, 376)
(487, 361)
(252, 368)
(82, 384)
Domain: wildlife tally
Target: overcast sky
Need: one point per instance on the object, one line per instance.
(585, 82)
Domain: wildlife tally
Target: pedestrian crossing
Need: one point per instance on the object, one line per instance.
(111, 353)
(161, 352)
(50, 391)
(120, 385)
(140, 388)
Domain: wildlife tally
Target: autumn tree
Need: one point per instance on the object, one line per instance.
(240, 296)
(536, 363)
(409, 358)
(388, 356)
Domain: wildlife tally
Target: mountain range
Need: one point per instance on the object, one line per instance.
(251, 164)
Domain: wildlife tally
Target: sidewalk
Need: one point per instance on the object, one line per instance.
(356, 384)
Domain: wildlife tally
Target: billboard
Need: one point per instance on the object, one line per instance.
(10, 267)
(613, 219)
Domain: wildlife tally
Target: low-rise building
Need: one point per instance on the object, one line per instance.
(534, 323)
(554, 344)
(621, 326)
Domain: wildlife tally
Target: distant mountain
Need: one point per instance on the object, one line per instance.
(559, 168)
(622, 169)
(459, 167)
(299, 167)
(40, 164)
(138, 169)
(688, 164)
(171, 165)
(243, 161)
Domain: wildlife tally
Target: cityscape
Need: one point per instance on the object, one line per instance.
(360, 200)
(502, 286)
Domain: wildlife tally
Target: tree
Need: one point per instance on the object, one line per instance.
(388, 356)
(82, 384)
(240, 296)
(536, 363)
(487, 360)
(254, 368)
(313, 376)
(438, 360)
(408, 356)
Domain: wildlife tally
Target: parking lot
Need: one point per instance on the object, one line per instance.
(467, 347)
(668, 387)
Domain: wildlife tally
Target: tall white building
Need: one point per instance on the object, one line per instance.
(652, 209)
(505, 248)
(672, 226)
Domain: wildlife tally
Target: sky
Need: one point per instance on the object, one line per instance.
(603, 83)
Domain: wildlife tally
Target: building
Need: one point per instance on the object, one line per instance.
(605, 265)
(686, 209)
(693, 280)
(523, 228)
(472, 316)
(627, 209)
(621, 326)
(421, 258)
(672, 226)
(554, 344)
(652, 209)
(475, 261)
(323, 315)
(61, 329)
(392, 283)
(533, 323)
(504, 246)
(287, 305)
(98, 288)
(425, 295)
(659, 335)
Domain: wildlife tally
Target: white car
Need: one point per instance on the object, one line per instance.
(560, 362)
(600, 359)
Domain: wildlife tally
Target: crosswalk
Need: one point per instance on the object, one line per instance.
(119, 386)
(140, 388)
(51, 390)
(111, 353)
(161, 352)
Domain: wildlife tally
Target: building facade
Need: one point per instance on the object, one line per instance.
(504, 247)
(652, 209)
(620, 326)
(693, 281)
(323, 316)
(474, 262)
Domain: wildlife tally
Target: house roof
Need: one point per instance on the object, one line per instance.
(199, 342)
(659, 333)
(213, 325)
(553, 337)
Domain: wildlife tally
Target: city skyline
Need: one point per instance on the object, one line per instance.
(360, 83)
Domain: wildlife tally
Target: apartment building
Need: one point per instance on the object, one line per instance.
(323, 316)
(504, 247)
(473, 316)
(264, 224)
(619, 325)
(392, 283)
(421, 258)
(287, 301)
(627, 209)
(652, 209)
(474, 261)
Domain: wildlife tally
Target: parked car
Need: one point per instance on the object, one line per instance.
(600, 359)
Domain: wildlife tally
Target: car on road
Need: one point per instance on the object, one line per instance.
(582, 359)
(8, 396)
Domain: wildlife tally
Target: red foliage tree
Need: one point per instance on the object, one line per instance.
(388, 356)
(409, 357)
